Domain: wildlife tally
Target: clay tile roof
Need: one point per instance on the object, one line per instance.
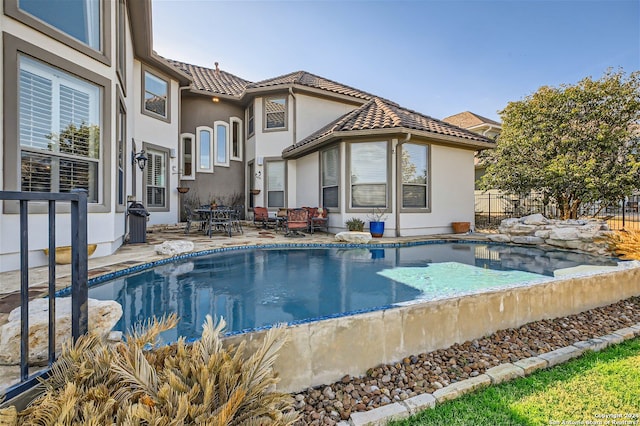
(382, 114)
(213, 81)
(469, 119)
(307, 79)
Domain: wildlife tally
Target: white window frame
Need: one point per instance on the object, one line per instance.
(194, 157)
(240, 138)
(199, 167)
(60, 77)
(152, 152)
(265, 114)
(216, 144)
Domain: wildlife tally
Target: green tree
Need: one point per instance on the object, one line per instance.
(574, 143)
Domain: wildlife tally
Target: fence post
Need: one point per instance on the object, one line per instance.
(79, 268)
(489, 220)
(624, 202)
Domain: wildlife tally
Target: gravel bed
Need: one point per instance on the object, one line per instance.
(427, 372)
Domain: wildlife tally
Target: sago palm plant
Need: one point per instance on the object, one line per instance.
(138, 383)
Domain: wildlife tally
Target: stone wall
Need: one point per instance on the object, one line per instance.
(584, 235)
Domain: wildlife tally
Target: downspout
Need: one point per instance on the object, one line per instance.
(295, 121)
(399, 184)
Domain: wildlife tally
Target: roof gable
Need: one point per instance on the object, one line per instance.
(469, 119)
(379, 114)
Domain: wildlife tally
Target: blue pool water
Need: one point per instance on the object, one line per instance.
(258, 287)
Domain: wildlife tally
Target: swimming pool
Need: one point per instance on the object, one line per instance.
(257, 287)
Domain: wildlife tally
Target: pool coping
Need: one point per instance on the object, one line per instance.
(502, 373)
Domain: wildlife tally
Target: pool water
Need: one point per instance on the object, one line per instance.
(253, 288)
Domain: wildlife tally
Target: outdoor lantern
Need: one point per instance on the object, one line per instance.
(140, 158)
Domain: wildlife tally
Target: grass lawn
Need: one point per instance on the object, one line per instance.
(597, 388)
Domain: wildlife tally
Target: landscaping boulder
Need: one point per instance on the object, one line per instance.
(172, 248)
(354, 237)
(103, 315)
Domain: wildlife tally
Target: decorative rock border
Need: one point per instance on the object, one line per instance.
(499, 374)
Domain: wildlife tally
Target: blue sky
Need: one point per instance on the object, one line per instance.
(435, 57)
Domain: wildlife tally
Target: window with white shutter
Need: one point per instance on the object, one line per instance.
(156, 179)
(59, 130)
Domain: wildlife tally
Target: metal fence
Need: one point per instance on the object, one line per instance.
(492, 207)
(79, 290)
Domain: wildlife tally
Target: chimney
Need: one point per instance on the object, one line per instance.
(217, 70)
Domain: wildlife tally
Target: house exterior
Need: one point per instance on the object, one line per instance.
(84, 96)
(82, 92)
(311, 141)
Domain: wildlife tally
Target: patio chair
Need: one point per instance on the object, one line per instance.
(193, 217)
(297, 220)
(220, 221)
(236, 216)
(261, 218)
(320, 220)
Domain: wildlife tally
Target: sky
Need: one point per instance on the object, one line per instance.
(436, 57)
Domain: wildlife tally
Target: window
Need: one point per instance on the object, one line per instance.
(330, 177)
(368, 174)
(156, 178)
(414, 169)
(275, 113)
(121, 52)
(187, 149)
(121, 134)
(221, 143)
(156, 96)
(236, 139)
(275, 171)
(250, 120)
(204, 144)
(79, 19)
(59, 130)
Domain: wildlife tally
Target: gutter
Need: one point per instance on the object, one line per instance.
(399, 184)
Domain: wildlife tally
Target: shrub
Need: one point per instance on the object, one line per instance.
(96, 383)
(355, 224)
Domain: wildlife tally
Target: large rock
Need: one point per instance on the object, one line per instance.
(526, 239)
(534, 219)
(172, 248)
(103, 315)
(499, 238)
(354, 237)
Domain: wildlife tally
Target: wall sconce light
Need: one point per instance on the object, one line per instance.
(140, 158)
(259, 174)
(215, 99)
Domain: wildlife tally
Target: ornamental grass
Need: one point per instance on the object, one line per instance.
(138, 382)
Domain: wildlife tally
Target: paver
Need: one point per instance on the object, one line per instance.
(462, 387)
(531, 365)
(419, 402)
(561, 355)
(627, 333)
(612, 339)
(504, 373)
(379, 416)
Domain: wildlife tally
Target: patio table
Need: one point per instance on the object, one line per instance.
(218, 219)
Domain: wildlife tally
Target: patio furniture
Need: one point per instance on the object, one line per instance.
(220, 220)
(195, 217)
(261, 218)
(320, 220)
(297, 220)
(236, 216)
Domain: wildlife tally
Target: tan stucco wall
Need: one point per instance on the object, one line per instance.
(322, 352)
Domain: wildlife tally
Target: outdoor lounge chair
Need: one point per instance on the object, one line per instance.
(320, 220)
(261, 218)
(297, 220)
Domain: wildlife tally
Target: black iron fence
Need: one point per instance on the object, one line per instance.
(79, 291)
(492, 207)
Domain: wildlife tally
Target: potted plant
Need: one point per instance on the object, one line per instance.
(376, 222)
(355, 224)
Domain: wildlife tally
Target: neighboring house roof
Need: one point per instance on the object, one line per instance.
(212, 80)
(469, 119)
(380, 115)
(304, 78)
